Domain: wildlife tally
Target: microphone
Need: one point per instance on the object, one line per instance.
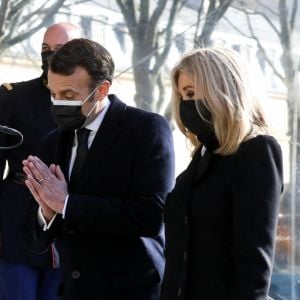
(11, 131)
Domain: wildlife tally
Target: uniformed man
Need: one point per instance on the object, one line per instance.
(25, 106)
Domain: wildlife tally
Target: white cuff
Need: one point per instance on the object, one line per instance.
(42, 222)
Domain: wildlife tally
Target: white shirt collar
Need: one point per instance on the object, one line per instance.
(95, 124)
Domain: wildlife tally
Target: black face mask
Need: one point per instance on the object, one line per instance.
(68, 117)
(45, 65)
(200, 125)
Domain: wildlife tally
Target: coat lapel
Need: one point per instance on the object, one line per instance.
(202, 166)
(193, 174)
(181, 192)
(105, 137)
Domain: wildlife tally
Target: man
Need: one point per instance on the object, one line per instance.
(106, 212)
(26, 107)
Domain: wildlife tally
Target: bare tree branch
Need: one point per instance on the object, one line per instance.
(157, 12)
(154, 51)
(161, 58)
(237, 28)
(146, 46)
(16, 8)
(285, 31)
(294, 13)
(29, 16)
(182, 4)
(128, 12)
(199, 13)
(259, 45)
(268, 20)
(263, 51)
(21, 21)
(268, 8)
(144, 11)
(3, 15)
(8, 41)
(213, 15)
(81, 1)
(287, 57)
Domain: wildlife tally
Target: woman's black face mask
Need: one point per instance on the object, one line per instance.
(199, 124)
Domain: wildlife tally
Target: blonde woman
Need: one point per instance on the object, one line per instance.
(221, 216)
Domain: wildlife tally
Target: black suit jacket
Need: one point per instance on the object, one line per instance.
(220, 224)
(25, 107)
(111, 239)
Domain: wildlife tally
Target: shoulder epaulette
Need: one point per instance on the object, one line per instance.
(8, 86)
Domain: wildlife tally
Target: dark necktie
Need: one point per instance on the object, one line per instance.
(81, 154)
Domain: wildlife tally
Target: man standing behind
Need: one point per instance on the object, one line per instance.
(102, 197)
(26, 107)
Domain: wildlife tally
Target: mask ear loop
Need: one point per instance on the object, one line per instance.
(96, 103)
(92, 92)
(11, 131)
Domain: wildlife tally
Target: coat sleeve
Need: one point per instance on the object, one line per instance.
(140, 212)
(34, 238)
(257, 187)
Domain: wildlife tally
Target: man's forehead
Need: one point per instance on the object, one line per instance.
(79, 79)
(51, 40)
(56, 36)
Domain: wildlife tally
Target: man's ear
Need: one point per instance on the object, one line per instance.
(103, 90)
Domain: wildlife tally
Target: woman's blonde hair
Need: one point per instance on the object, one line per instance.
(226, 91)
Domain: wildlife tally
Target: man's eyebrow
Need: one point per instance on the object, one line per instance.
(55, 46)
(63, 91)
(66, 91)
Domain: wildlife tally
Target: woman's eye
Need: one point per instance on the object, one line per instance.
(190, 95)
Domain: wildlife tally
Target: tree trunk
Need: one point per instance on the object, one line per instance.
(143, 79)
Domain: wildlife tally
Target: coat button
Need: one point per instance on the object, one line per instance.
(179, 292)
(75, 274)
(185, 255)
(186, 221)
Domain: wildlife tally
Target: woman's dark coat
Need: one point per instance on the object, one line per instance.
(221, 222)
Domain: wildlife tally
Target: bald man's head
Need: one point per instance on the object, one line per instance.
(58, 34)
(55, 36)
